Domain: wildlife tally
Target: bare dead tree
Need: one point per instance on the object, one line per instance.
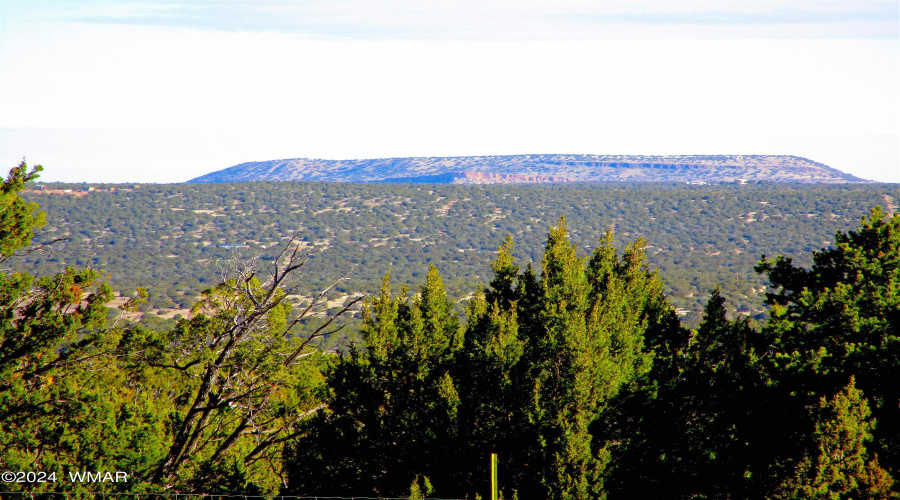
(42, 248)
(241, 351)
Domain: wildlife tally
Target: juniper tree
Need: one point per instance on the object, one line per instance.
(702, 424)
(495, 384)
(204, 406)
(18, 218)
(543, 356)
(841, 318)
(838, 466)
(391, 408)
(699, 425)
(55, 344)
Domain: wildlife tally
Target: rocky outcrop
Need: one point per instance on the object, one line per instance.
(480, 178)
(489, 178)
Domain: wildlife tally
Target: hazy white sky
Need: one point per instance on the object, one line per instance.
(153, 91)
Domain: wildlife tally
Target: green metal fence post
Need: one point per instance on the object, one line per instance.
(494, 489)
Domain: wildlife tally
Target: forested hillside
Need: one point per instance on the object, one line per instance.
(574, 368)
(169, 238)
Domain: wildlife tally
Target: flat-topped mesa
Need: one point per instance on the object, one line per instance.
(538, 169)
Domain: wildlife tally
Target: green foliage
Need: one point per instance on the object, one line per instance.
(205, 406)
(538, 362)
(840, 319)
(241, 387)
(55, 345)
(578, 374)
(18, 218)
(391, 408)
(702, 425)
(417, 491)
(840, 469)
(596, 320)
(168, 237)
(542, 358)
(493, 379)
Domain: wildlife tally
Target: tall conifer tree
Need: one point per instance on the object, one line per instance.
(392, 407)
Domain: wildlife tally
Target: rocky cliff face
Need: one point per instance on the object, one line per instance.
(537, 168)
(480, 178)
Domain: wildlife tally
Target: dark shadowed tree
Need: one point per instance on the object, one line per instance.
(840, 319)
(391, 408)
(838, 466)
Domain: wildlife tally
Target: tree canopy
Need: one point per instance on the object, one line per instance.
(573, 368)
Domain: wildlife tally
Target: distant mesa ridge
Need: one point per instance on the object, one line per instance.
(537, 169)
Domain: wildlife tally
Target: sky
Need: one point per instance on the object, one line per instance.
(164, 91)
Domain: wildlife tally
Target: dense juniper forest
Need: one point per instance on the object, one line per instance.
(172, 239)
(569, 357)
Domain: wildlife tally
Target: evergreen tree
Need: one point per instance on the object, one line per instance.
(56, 409)
(839, 469)
(537, 366)
(18, 218)
(565, 389)
(494, 384)
(840, 319)
(544, 357)
(392, 408)
(203, 407)
(700, 425)
(594, 322)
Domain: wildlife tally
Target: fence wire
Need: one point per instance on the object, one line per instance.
(66, 495)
